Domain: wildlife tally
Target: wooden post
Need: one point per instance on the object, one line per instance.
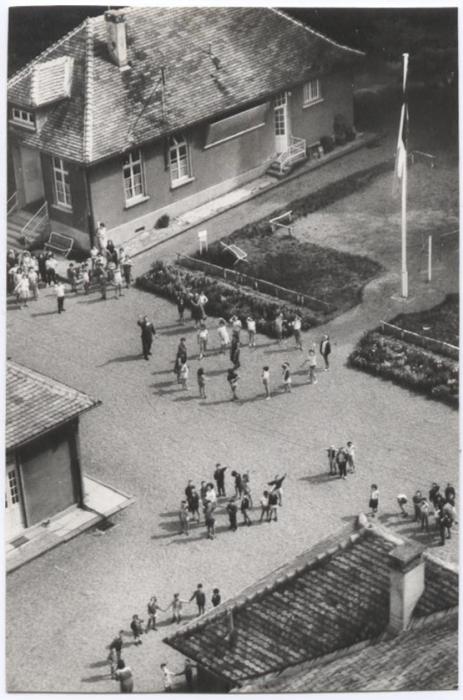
(429, 257)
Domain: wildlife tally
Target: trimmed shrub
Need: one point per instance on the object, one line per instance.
(224, 299)
(162, 222)
(327, 143)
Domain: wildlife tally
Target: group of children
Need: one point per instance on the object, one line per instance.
(340, 458)
(206, 499)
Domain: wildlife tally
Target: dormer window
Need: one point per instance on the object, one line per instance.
(23, 117)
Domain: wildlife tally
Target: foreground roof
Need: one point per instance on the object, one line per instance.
(260, 52)
(331, 597)
(425, 657)
(35, 404)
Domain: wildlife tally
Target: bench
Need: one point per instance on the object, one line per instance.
(59, 242)
(238, 252)
(278, 221)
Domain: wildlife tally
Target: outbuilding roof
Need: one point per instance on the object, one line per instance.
(215, 60)
(330, 598)
(35, 404)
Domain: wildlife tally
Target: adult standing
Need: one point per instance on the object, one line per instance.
(50, 265)
(59, 291)
(147, 333)
(341, 461)
(297, 327)
(126, 264)
(278, 325)
(124, 675)
(219, 476)
(111, 253)
(235, 350)
(200, 598)
(101, 236)
(325, 351)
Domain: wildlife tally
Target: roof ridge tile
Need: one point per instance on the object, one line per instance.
(88, 93)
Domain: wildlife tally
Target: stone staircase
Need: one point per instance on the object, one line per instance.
(284, 163)
(15, 224)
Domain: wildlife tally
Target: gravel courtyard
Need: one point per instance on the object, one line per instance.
(149, 437)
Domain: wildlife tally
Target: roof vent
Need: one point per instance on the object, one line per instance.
(116, 37)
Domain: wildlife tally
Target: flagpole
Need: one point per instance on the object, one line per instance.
(404, 273)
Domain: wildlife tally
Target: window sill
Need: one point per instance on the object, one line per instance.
(62, 207)
(133, 202)
(23, 125)
(306, 105)
(180, 183)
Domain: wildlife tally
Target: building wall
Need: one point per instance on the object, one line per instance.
(314, 121)
(215, 170)
(50, 474)
(77, 219)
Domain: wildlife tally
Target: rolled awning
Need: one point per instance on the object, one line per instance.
(236, 125)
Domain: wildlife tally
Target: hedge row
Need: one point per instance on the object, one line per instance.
(224, 299)
(442, 321)
(407, 365)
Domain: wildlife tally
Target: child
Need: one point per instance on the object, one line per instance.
(183, 375)
(402, 500)
(374, 499)
(59, 291)
(117, 280)
(251, 326)
(272, 507)
(264, 506)
(176, 605)
(350, 453)
(232, 379)
(216, 597)
(332, 458)
(278, 324)
(286, 377)
(417, 498)
(232, 511)
(297, 325)
(137, 629)
(223, 335)
(152, 609)
(202, 339)
(312, 362)
(266, 381)
(183, 516)
(209, 520)
(181, 307)
(85, 277)
(245, 506)
(201, 383)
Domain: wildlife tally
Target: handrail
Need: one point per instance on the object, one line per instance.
(12, 203)
(296, 149)
(35, 221)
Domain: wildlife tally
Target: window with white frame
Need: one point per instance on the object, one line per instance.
(132, 170)
(179, 159)
(23, 117)
(62, 183)
(311, 92)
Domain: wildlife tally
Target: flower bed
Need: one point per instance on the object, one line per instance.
(407, 365)
(320, 272)
(441, 322)
(224, 299)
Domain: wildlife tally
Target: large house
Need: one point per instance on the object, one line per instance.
(360, 611)
(144, 112)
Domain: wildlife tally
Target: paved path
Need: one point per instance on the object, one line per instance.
(149, 437)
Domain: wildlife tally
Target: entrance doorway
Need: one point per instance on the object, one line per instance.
(281, 123)
(14, 518)
(32, 178)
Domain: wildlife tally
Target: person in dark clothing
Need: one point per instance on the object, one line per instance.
(196, 310)
(449, 493)
(137, 629)
(42, 267)
(180, 358)
(238, 484)
(147, 333)
(276, 485)
(111, 253)
(216, 597)
(417, 498)
(189, 675)
(152, 609)
(115, 648)
(124, 675)
(235, 351)
(232, 379)
(192, 497)
(273, 506)
(180, 299)
(341, 461)
(219, 476)
(325, 350)
(200, 597)
(209, 521)
(433, 492)
(444, 521)
(245, 505)
(232, 510)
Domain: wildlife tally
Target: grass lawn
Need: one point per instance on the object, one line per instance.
(441, 322)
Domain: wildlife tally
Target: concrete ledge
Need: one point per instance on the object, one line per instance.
(101, 501)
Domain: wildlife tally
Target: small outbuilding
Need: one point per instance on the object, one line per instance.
(43, 469)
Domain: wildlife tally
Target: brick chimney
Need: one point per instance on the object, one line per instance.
(406, 584)
(116, 37)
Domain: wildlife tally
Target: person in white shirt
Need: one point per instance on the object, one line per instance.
(251, 326)
(117, 281)
(203, 334)
(50, 266)
(350, 452)
(223, 335)
(34, 282)
(59, 291)
(266, 381)
(297, 325)
(22, 290)
(167, 677)
(102, 236)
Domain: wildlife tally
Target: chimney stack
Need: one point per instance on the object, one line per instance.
(116, 37)
(406, 584)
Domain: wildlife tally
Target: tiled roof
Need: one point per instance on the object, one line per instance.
(330, 598)
(425, 657)
(36, 404)
(261, 51)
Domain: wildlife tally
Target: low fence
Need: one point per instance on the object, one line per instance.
(258, 285)
(423, 341)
